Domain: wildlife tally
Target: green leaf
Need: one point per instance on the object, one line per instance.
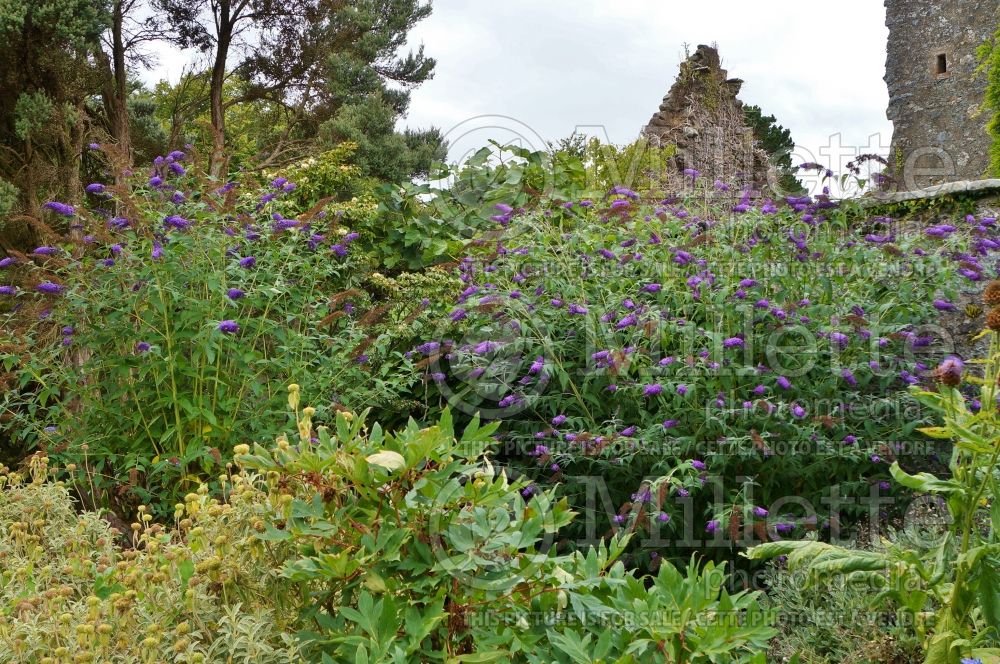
(988, 590)
(821, 558)
(924, 481)
(571, 644)
(185, 569)
(483, 656)
(942, 433)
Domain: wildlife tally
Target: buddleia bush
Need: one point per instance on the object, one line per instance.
(940, 573)
(162, 329)
(768, 344)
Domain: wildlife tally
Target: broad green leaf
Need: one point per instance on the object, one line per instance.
(924, 481)
(387, 459)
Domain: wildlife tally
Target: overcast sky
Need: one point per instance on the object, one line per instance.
(543, 68)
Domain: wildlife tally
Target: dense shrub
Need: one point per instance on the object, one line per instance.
(364, 545)
(834, 622)
(942, 574)
(69, 592)
(768, 345)
(165, 335)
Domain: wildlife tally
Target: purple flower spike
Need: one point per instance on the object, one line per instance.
(229, 327)
(248, 262)
(60, 208)
(234, 293)
(49, 288)
(652, 390)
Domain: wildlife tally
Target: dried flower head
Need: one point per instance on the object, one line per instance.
(991, 295)
(949, 372)
(993, 319)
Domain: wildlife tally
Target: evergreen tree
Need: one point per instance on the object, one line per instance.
(368, 84)
(47, 78)
(777, 142)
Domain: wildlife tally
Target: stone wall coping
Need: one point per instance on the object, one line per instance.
(945, 189)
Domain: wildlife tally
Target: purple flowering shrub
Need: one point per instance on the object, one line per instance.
(940, 571)
(188, 311)
(751, 350)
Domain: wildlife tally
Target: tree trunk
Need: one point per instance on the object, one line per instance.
(217, 166)
(120, 125)
(114, 95)
(72, 156)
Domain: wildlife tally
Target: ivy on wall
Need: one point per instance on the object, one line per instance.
(989, 55)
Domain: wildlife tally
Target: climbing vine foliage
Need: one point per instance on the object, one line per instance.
(990, 58)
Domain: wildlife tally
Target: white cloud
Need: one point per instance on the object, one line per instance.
(554, 65)
(561, 63)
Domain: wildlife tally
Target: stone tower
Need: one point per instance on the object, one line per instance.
(939, 134)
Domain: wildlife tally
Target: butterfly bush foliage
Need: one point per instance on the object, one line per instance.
(182, 318)
(945, 580)
(766, 344)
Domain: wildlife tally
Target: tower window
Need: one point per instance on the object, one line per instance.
(941, 64)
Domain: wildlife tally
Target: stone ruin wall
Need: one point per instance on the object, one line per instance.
(934, 93)
(702, 116)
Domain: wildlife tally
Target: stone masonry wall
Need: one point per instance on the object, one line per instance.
(702, 116)
(939, 133)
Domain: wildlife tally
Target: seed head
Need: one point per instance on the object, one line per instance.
(993, 319)
(991, 295)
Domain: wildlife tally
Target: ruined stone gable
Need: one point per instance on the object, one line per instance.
(704, 119)
(935, 95)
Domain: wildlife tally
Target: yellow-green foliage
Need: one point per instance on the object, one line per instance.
(990, 55)
(435, 284)
(204, 592)
(639, 165)
(332, 174)
(325, 174)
